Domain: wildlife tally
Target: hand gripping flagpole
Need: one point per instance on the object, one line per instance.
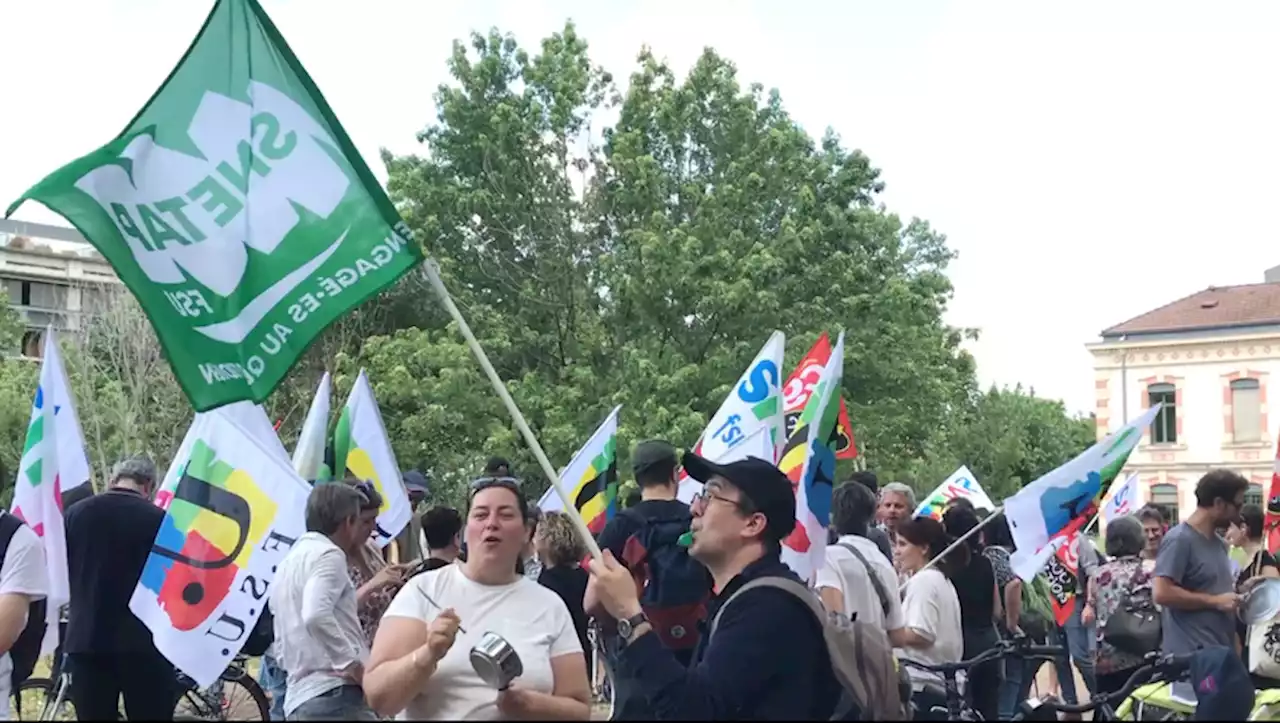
(433, 275)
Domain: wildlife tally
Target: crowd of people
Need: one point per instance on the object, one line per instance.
(360, 633)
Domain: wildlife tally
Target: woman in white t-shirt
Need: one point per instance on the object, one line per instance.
(930, 607)
(420, 667)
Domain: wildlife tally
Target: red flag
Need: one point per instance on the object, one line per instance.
(795, 394)
(1272, 520)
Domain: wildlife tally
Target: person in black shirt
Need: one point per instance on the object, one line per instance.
(109, 651)
(976, 588)
(654, 464)
(561, 552)
(442, 534)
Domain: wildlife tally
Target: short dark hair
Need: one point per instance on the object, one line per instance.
(504, 483)
(497, 466)
(1149, 513)
(632, 498)
(928, 533)
(440, 525)
(1220, 484)
(868, 479)
(657, 474)
(853, 506)
(959, 521)
(960, 503)
(1166, 514)
(1252, 516)
(997, 532)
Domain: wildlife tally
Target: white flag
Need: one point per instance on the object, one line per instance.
(755, 402)
(361, 449)
(53, 460)
(961, 484)
(758, 445)
(1122, 499)
(308, 454)
(233, 508)
(1063, 497)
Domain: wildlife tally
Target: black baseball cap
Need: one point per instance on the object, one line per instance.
(652, 452)
(762, 484)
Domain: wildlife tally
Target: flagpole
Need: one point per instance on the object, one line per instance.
(433, 275)
(957, 543)
(1111, 492)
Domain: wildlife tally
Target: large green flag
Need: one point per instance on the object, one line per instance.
(236, 210)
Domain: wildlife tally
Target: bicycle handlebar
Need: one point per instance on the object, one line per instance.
(1160, 668)
(1005, 648)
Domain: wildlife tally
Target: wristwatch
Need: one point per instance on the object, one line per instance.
(627, 627)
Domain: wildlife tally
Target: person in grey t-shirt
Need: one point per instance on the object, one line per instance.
(1193, 581)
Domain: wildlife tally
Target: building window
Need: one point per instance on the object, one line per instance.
(33, 343)
(1166, 496)
(45, 296)
(1246, 410)
(1164, 430)
(1253, 495)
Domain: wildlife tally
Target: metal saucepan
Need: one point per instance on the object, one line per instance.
(495, 661)
(1261, 603)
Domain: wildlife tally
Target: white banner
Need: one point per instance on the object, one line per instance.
(233, 508)
(369, 457)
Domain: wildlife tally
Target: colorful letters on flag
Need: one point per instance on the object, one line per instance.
(233, 508)
(237, 211)
(53, 460)
(591, 479)
(961, 484)
(362, 449)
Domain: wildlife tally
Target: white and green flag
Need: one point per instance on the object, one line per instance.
(236, 210)
(308, 453)
(362, 450)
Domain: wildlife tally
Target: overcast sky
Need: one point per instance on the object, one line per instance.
(1089, 163)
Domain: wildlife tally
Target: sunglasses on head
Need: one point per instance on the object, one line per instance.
(481, 483)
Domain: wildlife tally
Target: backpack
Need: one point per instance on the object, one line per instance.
(673, 588)
(1037, 611)
(262, 635)
(26, 649)
(861, 657)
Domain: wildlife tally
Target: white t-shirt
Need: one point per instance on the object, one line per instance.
(932, 609)
(843, 571)
(529, 616)
(23, 572)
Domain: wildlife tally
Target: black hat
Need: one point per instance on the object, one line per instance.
(652, 452)
(762, 484)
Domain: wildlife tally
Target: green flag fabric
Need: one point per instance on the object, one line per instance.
(236, 210)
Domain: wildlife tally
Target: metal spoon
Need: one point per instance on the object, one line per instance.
(437, 606)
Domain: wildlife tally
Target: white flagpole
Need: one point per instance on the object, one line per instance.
(433, 275)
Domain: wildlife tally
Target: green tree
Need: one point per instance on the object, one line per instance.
(647, 270)
(1008, 438)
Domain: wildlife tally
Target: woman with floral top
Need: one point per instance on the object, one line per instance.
(1114, 584)
(376, 581)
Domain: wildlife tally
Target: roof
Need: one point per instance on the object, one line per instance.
(1217, 307)
(40, 231)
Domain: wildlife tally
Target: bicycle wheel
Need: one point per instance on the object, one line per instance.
(234, 697)
(33, 696)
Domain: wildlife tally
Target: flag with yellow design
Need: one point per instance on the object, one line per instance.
(233, 508)
(591, 479)
(362, 450)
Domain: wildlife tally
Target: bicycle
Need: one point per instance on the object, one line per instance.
(215, 703)
(957, 708)
(1157, 670)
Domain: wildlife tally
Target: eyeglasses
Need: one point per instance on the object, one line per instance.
(704, 497)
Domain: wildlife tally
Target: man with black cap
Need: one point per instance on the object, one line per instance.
(767, 658)
(645, 538)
